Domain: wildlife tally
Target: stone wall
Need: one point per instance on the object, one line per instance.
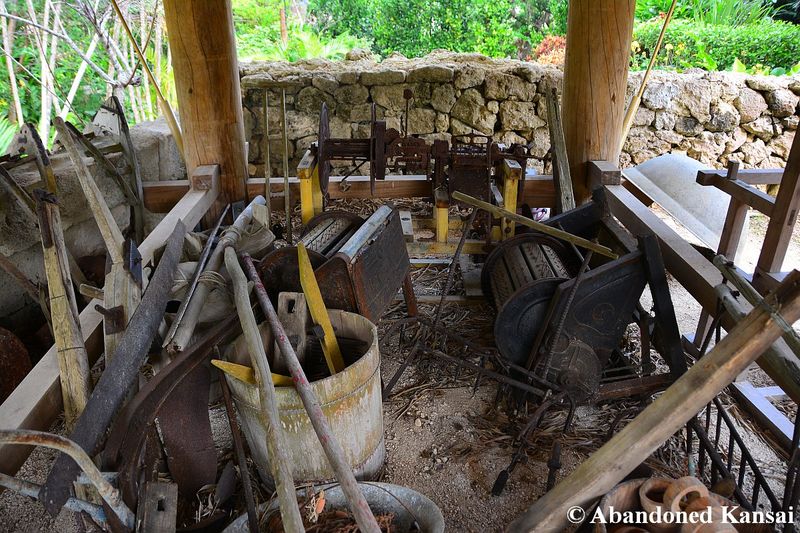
(712, 116)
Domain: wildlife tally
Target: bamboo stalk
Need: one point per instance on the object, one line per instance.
(637, 98)
(166, 109)
(666, 415)
(280, 462)
(538, 226)
(73, 360)
(333, 450)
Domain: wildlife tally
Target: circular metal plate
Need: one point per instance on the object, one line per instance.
(520, 318)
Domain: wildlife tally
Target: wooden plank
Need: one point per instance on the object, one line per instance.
(512, 173)
(699, 276)
(562, 178)
(37, 401)
(755, 401)
(73, 360)
(157, 511)
(604, 173)
(407, 225)
(741, 191)
(784, 216)
(470, 276)
(420, 248)
(204, 176)
(753, 176)
(660, 420)
(161, 196)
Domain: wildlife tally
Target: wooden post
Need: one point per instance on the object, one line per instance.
(512, 173)
(305, 174)
(441, 214)
(73, 360)
(679, 403)
(209, 98)
(782, 219)
(595, 78)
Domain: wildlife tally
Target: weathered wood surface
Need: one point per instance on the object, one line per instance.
(562, 178)
(206, 75)
(595, 80)
(37, 401)
(73, 360)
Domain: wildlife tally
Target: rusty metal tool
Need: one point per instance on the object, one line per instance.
(109, 494)
(452, 270)
(333, 450)
(201, 265)
(280, 463)
(129, 432)
(119, 376)
(241, 459)
(31, 490)
(316, 306)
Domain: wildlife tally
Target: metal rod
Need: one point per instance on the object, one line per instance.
(109, 494)
(287, 201)
(267, 158)
(280, 461)
(230, 237)
(31, 490)
(451, 272)
(333, 450)
(238, 447)
(201, 264)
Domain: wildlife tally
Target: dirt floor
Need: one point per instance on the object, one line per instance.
(449, 440)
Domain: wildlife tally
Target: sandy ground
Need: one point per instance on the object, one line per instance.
(450, 442)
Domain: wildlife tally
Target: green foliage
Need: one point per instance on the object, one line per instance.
(7, 132)
(305, 43)
(729, 12)
(415, 27)
(336, 17)
(690, 44)
(558, 16)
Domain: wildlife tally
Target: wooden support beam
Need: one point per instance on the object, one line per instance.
(753, 176)
(667, 414)
(562, 178)
(73, 361)
(595, 80)
(740, 191)
(512, 173)
(161, 196)
(782, 220)
(206, 74)
(699, 276)
(37, 401)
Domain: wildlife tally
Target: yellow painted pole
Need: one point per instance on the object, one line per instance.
(316, 306)
(316, 191)
(306, 199)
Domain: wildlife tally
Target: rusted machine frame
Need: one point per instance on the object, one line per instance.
(364, 274)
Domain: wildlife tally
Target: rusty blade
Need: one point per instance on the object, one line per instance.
(186, 430)
(119, 376)
(129, 430)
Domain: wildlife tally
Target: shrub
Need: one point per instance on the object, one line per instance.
(691, 44)
(550, 44)
(415, 27)
(558, 16)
